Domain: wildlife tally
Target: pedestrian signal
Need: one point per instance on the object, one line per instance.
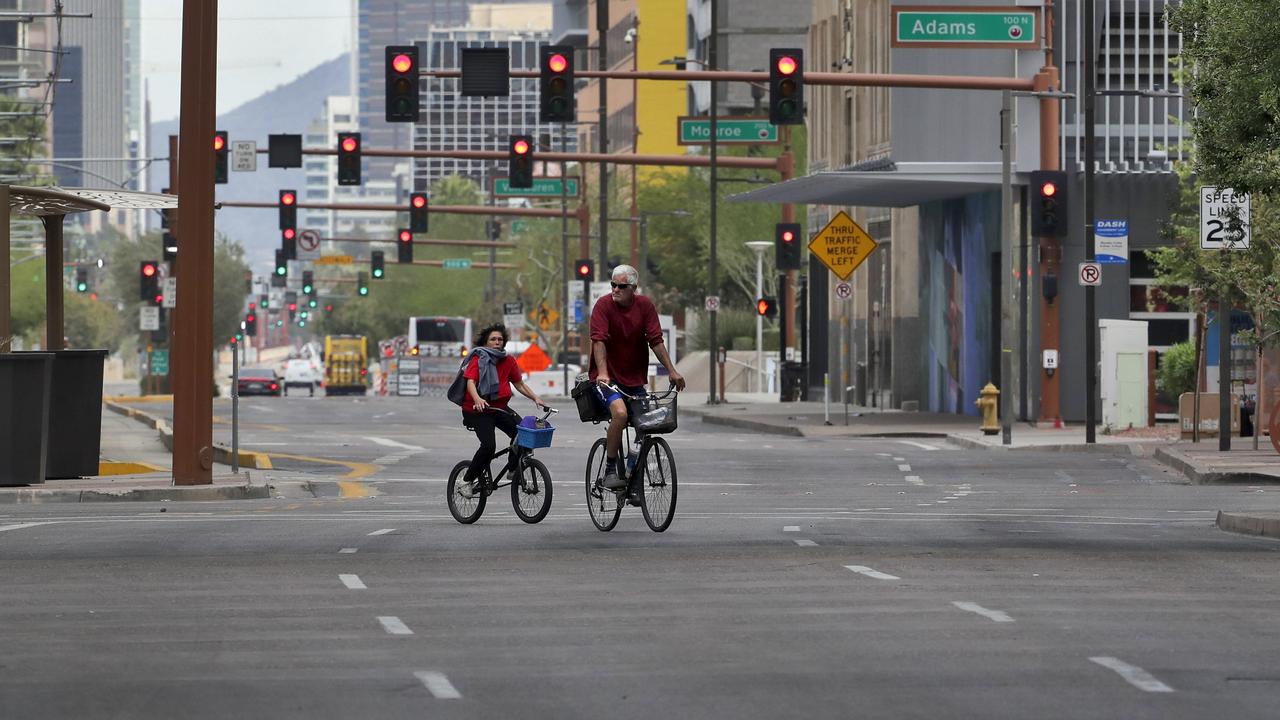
(766, 307)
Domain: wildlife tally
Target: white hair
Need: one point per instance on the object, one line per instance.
(631, 274)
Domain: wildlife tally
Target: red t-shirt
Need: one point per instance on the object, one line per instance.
(508, 372)
(627, 334)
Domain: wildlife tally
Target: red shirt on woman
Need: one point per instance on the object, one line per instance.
(508, 372)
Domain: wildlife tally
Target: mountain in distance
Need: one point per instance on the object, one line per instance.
(289, 108)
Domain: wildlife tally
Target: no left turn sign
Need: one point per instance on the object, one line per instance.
(1090, 274)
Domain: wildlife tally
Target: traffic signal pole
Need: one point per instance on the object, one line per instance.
(53, 285)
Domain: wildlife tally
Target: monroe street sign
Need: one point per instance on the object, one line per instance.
(966, 27)
(742, 131)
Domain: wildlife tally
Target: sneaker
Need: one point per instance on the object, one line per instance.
(612, 480)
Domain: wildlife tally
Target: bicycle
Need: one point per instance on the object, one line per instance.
(530, 491)
(651, 483)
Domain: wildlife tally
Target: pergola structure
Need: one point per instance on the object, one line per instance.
(52, 205)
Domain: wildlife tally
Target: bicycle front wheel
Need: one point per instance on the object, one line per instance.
(464, 506)
(657, 484)
(531, 491)
(603, 505)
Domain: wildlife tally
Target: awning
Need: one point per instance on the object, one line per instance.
(64, 201)
(883, 184)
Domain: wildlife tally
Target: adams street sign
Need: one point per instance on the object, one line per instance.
(966, 27)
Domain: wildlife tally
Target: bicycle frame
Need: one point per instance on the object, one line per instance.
(523, 452)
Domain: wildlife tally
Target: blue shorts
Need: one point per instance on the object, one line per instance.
(607, 400)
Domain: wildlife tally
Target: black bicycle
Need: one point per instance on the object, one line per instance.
(530, 484)
(650, 473)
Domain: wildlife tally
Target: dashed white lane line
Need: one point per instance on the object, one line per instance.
(992, 615)
(922, 446)
(914, 480)
(352, 582)
(806, 543)
(347, 551)
(387, 442)
(393, 626)
(869, 572)
(791, 528)
(384, 531)
(899, 459)
(21, 526)
(438, 685)
(1132, 674)
(904, 468)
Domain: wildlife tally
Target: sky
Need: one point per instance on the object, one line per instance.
(262, 44)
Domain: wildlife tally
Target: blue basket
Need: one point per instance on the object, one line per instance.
(534, 438)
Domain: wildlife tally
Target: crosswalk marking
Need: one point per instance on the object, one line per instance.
(438, 685)
(1132, 674)
(869, 572)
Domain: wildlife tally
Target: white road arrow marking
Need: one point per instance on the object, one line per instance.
(864, 570)
(438, 685)
(1132, 674)
(992, 615)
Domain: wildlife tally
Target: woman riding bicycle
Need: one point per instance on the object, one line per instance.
(490, 375)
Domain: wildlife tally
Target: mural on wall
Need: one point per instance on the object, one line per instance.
(956, 240)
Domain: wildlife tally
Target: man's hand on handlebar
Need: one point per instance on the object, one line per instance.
(677, 379)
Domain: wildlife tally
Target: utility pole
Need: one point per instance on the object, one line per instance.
(711, 265)
(1090, 250)
(602, 62)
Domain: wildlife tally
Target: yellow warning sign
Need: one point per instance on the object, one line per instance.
(335, 260)
(545, 316)
(842, 245)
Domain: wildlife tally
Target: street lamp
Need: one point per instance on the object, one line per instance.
(759, 246)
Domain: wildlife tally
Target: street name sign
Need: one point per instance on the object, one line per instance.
(160, 362)
(729, 130)
(335, 260)
(1217, 230)
(1016, 28)
(244, 155)
(842, 245)
(542, 187)
(456, 264)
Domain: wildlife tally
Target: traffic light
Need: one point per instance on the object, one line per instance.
(251, 324)
(584, 269)
(786, 86)
(348, 158)
(82, 280)
(312, 302)
(220, 152)
(282, 264)
(379, 262)
(362, 285)
(264, 301)
(149, 280)
(402, 83)
(787, 246)
(169, 246)
(288, 205)
(766, 307)
(289, 243)
(308, 282)
(555, 84)
(419, 212)
(520, 161)
(493, 230)
(404, 246)
(1049, 203)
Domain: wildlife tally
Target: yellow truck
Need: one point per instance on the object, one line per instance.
(346, 365)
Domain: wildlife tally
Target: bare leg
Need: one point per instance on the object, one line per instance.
(617, 423)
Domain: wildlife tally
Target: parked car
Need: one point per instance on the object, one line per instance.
(302, 373)
(260, 381)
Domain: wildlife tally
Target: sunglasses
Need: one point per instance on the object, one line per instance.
(620, 286)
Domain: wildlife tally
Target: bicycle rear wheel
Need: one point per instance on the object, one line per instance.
(657, 484)
(531, 491)
(603, 505)
(463, 506)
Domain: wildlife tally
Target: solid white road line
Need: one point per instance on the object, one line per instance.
(347, 551)
(387, 442)
(1132, 674)
(864, 570)
(384, 531)
(914, 480)
(806, 543)
(791, 528)
(904, 468)
(20, 526)
(992, 615)
(922, 446)
(352, 582)
(393, 626)
(438, 685)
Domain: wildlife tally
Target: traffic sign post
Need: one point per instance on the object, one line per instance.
(513, 315)
(1220, 209)
(308, 245)
(1090, 274)
(456, 264)
(149, 318)
(712, 303)
(729, 131)
(844, 290)
(244, 156)
(542, 187)
(160, 362)
(842, 245)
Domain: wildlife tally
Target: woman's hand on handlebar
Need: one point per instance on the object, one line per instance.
(481, 405)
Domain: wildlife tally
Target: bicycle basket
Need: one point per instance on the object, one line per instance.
(653, 414)
(534, 437)
(589, 409)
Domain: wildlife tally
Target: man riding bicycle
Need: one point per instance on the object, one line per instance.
(624, 326)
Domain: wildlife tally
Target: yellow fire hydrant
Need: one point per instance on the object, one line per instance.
(990, 405)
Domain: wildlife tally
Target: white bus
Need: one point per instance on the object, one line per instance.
(440, 343)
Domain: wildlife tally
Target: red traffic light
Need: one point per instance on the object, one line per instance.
(349, 144)
(148, 270)
(402, 63)
(557, 63)
(293, 306)
(219, 142)
(406, 236)
(520, 147)
(250, 318)
(788, 236)
(584, 270)
(419, 201)
(787, 65)
(289, 233)
(288, 198)
(1049, 189)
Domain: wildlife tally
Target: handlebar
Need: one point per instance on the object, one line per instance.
(659, 395)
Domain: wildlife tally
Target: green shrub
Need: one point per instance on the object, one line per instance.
(1177, 373)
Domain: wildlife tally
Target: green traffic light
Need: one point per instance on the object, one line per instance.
(311, 302)
(279, 323)
(364, 290)
(281, 270)
(81, 287)
(377, 273)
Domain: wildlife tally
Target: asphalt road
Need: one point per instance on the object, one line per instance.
(801, 578)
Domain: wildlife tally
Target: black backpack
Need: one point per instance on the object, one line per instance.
(457, 392)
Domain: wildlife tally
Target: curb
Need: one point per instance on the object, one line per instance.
(1248, 525)
(1184, 466)
(788, 430)
(175, 494)
(221, 453)
(1105, 449)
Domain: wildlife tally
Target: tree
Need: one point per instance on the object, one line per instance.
(1231, 67)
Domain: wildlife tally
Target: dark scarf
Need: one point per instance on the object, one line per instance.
(487, 364)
